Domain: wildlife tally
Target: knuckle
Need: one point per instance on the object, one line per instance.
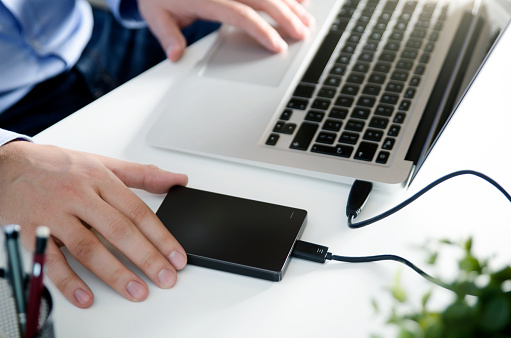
(115, 276)
(139, 213)
(83, 248)
(117, 228)
(150, 260)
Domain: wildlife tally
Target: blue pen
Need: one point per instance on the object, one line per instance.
(16, 275)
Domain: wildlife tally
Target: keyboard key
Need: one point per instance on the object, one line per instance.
(333, 81)
(300, 104)
(344, 101)
(332, 125)
(372, 90)
(289, 128)
(382, 157)
(410, 93)
(395, 87)
(379, 122)
(355, 125)
(279, 127)
(388, 144)
(304, 91)
(286, 114)
(350, 89)
(399, 118)
(327, 138)
(349, 138)
(389, 98)
(338, 113)
(360, 113)
(366, 151)
(394, 130)
(338, 70)
(321, 58)
(366, 101)
(321, 104)
(355, 78)
(314, 116)
(384, 110)
(304, 136)
(405, 105)
(338, 150)
(376, 78)
(373, 135)
(326, 92)
(272, 139)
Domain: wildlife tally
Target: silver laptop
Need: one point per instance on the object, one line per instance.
(364, 97)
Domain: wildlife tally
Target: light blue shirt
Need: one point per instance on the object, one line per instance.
(40, 39)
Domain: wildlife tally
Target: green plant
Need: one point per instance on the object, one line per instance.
(481, 306)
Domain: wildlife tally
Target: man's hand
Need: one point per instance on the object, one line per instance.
(166, 18)
(71, 192)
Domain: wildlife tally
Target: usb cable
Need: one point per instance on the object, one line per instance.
(320, 254)
(358, 197)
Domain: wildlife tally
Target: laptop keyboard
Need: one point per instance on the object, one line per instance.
(355, 105)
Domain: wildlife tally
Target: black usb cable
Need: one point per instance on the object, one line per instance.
(358, 197)
(320, 254)
(361, 190)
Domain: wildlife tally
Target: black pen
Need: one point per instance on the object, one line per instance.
(15, 271)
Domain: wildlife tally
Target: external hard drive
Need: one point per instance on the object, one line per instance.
(232, 234)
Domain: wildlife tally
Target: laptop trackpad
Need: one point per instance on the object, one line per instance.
(238, 57)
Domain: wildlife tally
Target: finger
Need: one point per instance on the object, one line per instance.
(141, 176)
(92, 254)
(150, 178)
(168, 33)
(245, 18)
(285, 14)
(65, 279)
(299, 10)
(147, 223)
(113, 223)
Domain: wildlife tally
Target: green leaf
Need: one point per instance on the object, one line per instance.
(399, 293)
(470, 264)
(502, 275)
(432, 258)
(496, 313)
(374, 303)
(425, 299)
(468, 244)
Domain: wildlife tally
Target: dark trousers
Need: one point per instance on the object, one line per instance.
(113, 56)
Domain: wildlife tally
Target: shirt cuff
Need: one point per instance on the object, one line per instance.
(126, 12)
(7, 136)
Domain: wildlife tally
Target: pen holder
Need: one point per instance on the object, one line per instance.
(8, 313)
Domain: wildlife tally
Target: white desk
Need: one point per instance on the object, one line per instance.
(329, 300)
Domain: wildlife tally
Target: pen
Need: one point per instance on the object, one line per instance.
(36, 281)
(16, 276)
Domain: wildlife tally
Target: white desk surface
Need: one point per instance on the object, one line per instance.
(330, 300)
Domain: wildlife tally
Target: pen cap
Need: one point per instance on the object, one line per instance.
(8, 314)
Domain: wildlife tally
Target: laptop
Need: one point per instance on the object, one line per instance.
(363, 98)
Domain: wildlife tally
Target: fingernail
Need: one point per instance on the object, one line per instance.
(280, 44)
(136, 290)
(81, 296)
(166, 278)
(169, 50)
(177, 259)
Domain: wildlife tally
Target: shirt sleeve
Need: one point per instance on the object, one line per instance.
(8, 136)
(127, 13)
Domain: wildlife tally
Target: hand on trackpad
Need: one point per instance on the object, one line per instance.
(238, 57)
